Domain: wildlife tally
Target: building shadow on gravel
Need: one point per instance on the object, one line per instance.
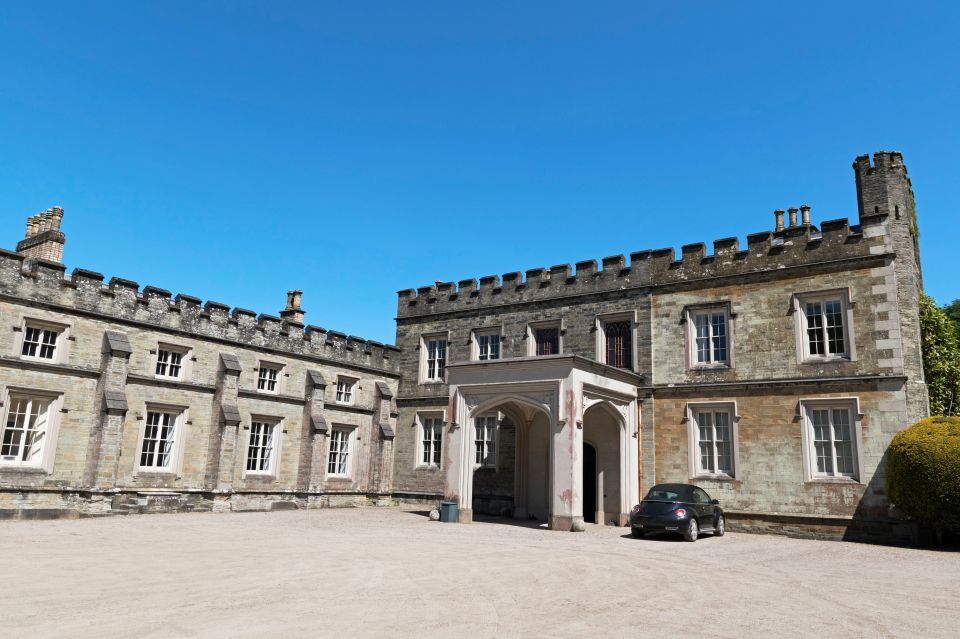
(875, 522)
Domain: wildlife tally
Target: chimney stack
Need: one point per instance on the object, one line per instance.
(805, 214)
(793, 216)
(44, 240)
(293, 312)
(778, 214)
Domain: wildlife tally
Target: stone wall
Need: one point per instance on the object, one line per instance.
(105, 378)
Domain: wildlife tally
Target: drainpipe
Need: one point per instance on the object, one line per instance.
(639, 456)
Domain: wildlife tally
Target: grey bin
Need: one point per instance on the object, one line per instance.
(448, 511)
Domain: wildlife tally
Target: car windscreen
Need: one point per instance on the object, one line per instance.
(668, 493)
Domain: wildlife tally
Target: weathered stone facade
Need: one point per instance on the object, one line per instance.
(583, 424)
(103, 380)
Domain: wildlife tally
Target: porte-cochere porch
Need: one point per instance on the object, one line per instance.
(519, 432)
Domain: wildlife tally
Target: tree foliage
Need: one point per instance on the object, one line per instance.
(941, 358)
(923, 472)
(953, 312)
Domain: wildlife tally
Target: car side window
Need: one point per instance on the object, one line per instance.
(700, 497)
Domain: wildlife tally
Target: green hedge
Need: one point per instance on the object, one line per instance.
(923, 472)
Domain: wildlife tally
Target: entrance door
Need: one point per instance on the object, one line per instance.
(589, 483)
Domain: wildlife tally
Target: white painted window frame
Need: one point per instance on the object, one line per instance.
(810, 473)
(351, 384)
(693, 438)
(269, 365)
(186, 361)
(690, 321)
(61, 347)
(48, 451)
(490, 461)
(532, 329)
(802, 338)
(421, 417)
(272, 468)
(485, 331)
(600, 325)
(175, 467)
(425, 339)
(349, 434)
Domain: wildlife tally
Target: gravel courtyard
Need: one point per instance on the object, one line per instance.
(390, 573)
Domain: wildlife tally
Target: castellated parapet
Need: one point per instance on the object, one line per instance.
(792, 247)
(45, 282)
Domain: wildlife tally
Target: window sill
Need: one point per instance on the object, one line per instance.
(433, 381)
(711, 367)
(343, 403)
(43, 360)
(156, 472)
(826, 360)
(426, 467)
(26, 470)
(340, 478)
(714, 478)
(842, 481)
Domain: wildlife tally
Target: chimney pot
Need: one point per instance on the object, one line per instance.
(293, 311)
(793, 216)
(43, 238)
(805, 214)
(778, 215)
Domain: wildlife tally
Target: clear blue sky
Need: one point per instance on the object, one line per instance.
(234, 150)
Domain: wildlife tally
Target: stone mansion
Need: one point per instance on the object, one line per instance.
(773, 375)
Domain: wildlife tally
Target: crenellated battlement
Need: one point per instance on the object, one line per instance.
(801, 243)
(883, 162)
(46, 282)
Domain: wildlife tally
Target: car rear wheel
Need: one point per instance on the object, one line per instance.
(636, 532)
(692, 531)
(720, 528)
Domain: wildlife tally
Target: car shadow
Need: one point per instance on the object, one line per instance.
(665, 537)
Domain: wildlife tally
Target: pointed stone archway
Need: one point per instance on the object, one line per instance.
(551, 394)
(605, 431)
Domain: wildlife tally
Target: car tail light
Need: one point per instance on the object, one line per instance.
(681, 513)
(636, 508)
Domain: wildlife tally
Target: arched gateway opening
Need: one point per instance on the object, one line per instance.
(510, 455)
(602, 449)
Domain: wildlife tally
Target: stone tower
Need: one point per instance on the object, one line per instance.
(44, 239)
(884, 194)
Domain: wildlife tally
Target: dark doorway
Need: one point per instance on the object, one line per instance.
(589, 483)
